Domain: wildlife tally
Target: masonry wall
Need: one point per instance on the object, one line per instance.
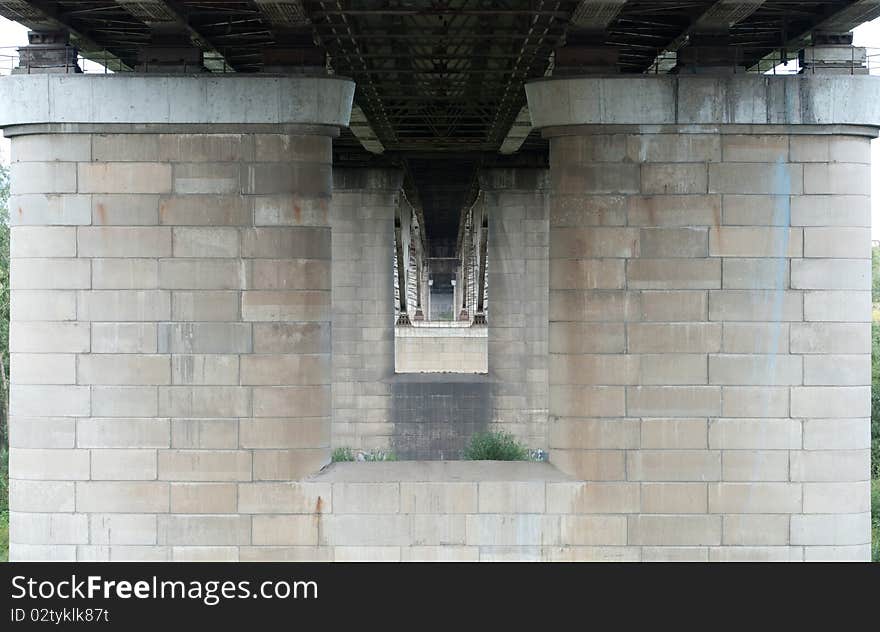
(426, 349)
(710, 337)
(363, 207)
(170, 339)
(517, 202)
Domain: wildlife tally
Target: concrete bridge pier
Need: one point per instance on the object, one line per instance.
(170, 335)
(710, 274)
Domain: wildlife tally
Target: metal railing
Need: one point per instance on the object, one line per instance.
(773, 63)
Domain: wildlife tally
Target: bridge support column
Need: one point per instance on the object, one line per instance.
(362, 217)
(171, 327)
(517, 204)
(710, 269)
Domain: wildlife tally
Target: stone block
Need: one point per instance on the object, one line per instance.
(124, 401)
(755, 401)
(755, 305)
(124, 241)
(205, 242)
(673, 465)
(611, 434)
(759, 178)
(837, 306)
(204, 370)
(49, 528)
(209, 434)
(588, 274)
(50, 210)
(127, 274)
(831, 401)
(830, 465)
(755, 241)
(837, 370)
(363, 529)
(205, 210)
(836, 434)
(673, 338)
(837, 498)
(755, 370)
(673, 210)
(439, 498)
(123, 465)
(48, 337)
(42, 305)
(57, 274)
(661, 243)
(366, 498)
(285, 498)
(755, 498)
(289, 274)
(201, 274)
(39, 464)
(296, 210)
(831, 274)
(123, 338)
(123, 433)
(593, 242)
(42, 177)
(587, 337)
(837, 179)
(28, 400)
(745, 434)
(660, 401)
(687, 305)
(673, 369)
(211, 178)
(830, 210)
(674, 179)
(205, 147)
(302, 401)
(673, 530)
(841, 242)
(833, 338)
(124, 305)
(837, 530)
(766, 148)
(41, 496)
(298, 305)
(51, 147)
(757, 210)
(124, 177)
(205, 465)
(308, 179)
(588, 369)
(205, 305)
(203, 498)
(755, 530)
(204, 401)
(511, 497)
(42, 368)
(125, 210)
(755, 465)
(291, 337)
(42, 432)
(204, 530)
(285, 370)
(595, 178)
(587, 401)
(205, 337)
(124, 369)
(521, 529)
(591, 498)
(122, 497)
(284, 433)
(672, 274)
(42, 241)
(673, 498)
(755, 274)
(674, 434)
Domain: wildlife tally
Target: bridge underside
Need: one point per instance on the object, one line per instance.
(281, 230)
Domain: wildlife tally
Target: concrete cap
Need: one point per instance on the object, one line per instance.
(751, 99)
(175, 99)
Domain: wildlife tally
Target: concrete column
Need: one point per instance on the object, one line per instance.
(170, 331)
(362, 217)
(710, 308)
(517, 204)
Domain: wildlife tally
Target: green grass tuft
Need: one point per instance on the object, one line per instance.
(340, 455)
(495, 446)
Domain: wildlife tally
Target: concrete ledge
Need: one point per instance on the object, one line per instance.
(191, 99)
(438, 471)
(748, 99)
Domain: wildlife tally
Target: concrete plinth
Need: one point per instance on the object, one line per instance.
(710, 308)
